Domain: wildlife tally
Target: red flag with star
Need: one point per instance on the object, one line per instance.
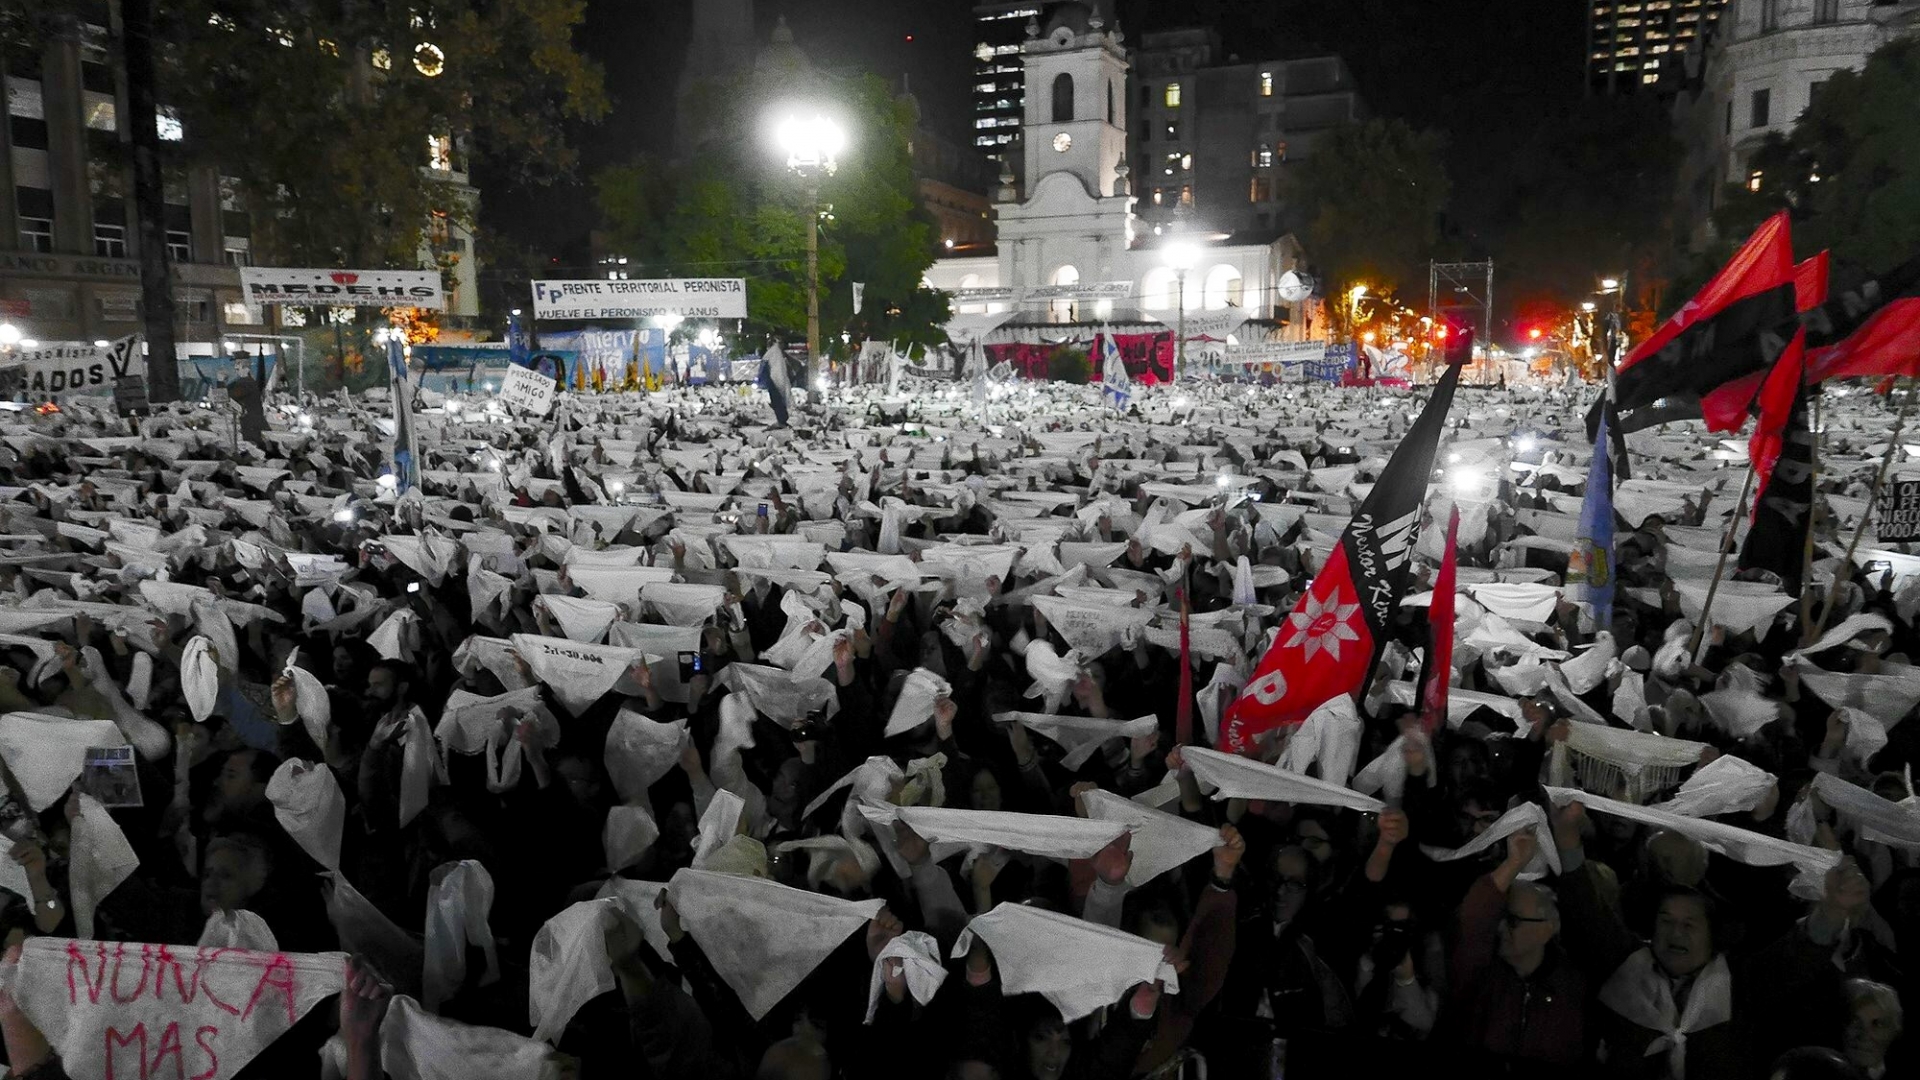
(1327, 644)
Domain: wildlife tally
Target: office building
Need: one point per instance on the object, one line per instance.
(999, 78)
(69, 268)
(1213, 136)
(1637, 44)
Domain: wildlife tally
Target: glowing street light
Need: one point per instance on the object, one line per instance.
(9, 335)
(812, 145)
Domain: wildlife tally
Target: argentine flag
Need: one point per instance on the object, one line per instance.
(1113, 374)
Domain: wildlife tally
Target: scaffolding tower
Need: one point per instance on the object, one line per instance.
(1462, 287)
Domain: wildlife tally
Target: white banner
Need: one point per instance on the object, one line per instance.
(76, 367)
(123, 1009)
(996, 295)
(1085, 290)
(1286, 352)
(1208, 324)
(343, 288)
(527, 390)
(699, 298)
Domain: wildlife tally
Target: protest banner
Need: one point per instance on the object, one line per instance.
(125, 1010)
(342, 288)
(1282, 352)
(1896, 512)
(47, 371)
(527, 390)
(697, 298)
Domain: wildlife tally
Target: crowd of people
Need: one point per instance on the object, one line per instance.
(647, 739)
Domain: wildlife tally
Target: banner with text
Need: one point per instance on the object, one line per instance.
(1283, 352)
(121, 1009)
(48, 371)
(1896, 512)
(343, 288)
(528, 390)
(694, 298)
(1212, 325)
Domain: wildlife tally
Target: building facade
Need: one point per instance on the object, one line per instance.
(1635, 45)
(1075, 222)
(1764, 65)
(1213, 136)
(999, 79)
(69, 268)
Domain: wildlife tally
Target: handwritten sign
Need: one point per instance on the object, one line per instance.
(1896, 513)
(125, 1010)
(48, 371)
(527, 390)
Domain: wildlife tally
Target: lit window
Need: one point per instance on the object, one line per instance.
(440, 153)
(284, 37)
(1266, 84)
(329, 47)
(1649, 77)
(1159, 197)
(1172, 95)
(1263, 158)
(1186, 195)
(1186, 162)
(1261, 190)
(169, 125)
(1280, 150)
(1753, 180)
(221, 22)
(382, 59)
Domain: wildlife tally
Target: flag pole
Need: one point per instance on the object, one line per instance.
(1806, 554)
(1726, 547)
(1841, 572)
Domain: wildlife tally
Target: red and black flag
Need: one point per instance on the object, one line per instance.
(1328, 643)
(1736, 326)
(1783, 507)
(1870, 329)
(1437, 671)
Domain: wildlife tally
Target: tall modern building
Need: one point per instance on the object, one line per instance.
(1633, 44)
(1214, 135)
(69, 259)
(999, 79)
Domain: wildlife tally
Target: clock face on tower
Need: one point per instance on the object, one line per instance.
(1062, 143)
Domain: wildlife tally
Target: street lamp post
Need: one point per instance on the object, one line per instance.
(811, 146)
(1182, 256)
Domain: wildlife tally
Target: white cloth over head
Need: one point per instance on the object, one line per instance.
(763, 938)
(308, 804)
(1235, 777)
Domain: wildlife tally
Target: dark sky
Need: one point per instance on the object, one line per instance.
(1481, 71)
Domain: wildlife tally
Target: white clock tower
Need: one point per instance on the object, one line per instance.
(1074, 225)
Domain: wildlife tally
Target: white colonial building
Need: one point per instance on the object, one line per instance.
(1075, 230)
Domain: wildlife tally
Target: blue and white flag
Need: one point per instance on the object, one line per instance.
(519, 341)
(405, 459)
(1590, 565)
(1113, 374)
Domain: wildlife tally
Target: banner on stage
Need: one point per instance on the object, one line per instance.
(1336, 359)
(47, 371)
(1896, 513)
(1005, 294)
(1214, 325)
(1285, 352)
(342, 288)
(527, 390)
(1084, 290)
(696, 298)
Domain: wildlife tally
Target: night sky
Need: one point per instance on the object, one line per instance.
(1478, 70)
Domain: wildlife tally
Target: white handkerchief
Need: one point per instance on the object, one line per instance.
(569, 967)
(1546, 857)
(918, 696)
(1235, 777)
(238, 930)
(639, 751)
(1052, 836)
(308, 804)
(779, 695)
(763, 938)
(45, 753)
(417, 1045)
(199, 678)
(1079, 736)
(1725, 785)
(1741, 845)
(580, 620)
(628, 833)
(577, 673)
(1077, 965)
(918, 955)
(99, 860)
(1161, 841)
(459, 899)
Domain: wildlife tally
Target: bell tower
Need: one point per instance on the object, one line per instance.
(1076, 107)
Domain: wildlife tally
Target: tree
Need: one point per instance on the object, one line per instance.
(1373, 193)
(329, 108)
(1849, 172)
(732, 209)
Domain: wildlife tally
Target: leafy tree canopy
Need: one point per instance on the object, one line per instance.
(731, 208)
(1374, 192)
(1849, 172)
(319, 111)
